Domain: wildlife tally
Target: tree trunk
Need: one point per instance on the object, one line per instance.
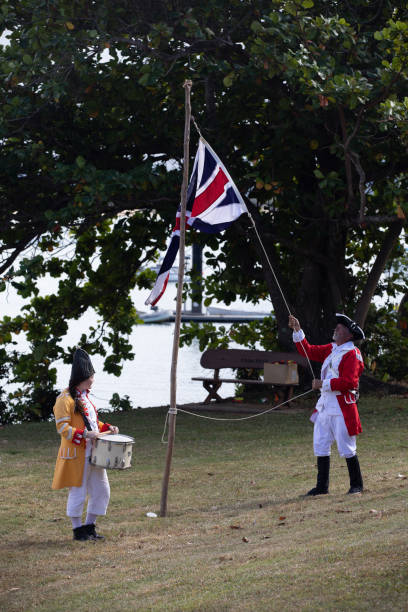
(403, 315)
(272, 278)
(323, 284)
(388, 244)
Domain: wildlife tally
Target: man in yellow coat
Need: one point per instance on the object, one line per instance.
(77, 422)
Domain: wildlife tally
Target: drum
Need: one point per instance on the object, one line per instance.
(113, 452)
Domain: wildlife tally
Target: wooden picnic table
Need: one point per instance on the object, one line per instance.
(218, 359)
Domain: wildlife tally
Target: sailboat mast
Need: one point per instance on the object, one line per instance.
(197, 282)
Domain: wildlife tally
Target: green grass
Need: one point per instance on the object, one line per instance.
(239, 535)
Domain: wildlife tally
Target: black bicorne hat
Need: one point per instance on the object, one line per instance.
(357, 332)
(82, 367)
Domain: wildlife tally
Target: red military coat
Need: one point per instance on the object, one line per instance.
(343, 367)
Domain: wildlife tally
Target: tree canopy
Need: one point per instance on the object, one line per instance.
(306, 102)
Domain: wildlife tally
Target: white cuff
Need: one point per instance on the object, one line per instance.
(326, 385)
(298, 336)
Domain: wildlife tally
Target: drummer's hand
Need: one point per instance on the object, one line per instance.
(92, 435)
(113, 429)
(317, 384)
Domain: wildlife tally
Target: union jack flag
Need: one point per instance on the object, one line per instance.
(213, 204)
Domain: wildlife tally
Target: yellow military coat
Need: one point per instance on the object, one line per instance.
(69, 467)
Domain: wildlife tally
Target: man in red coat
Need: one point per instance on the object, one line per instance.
(336, 416)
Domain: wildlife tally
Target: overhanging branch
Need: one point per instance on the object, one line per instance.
(376, 271)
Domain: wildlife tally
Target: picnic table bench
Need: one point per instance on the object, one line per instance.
(217, 359)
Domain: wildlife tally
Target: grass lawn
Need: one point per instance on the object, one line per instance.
(239, 535)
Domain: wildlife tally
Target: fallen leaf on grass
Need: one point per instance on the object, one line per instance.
(341, 510)
(245, 539)
(235, 527)
(282, 518)
(401, 476)
(210, 473)
(282, 523)
(265, 537)
(225, 558)
(14, 589)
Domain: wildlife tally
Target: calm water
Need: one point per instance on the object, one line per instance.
(146, 379)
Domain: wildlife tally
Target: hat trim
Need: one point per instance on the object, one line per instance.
(351, 325)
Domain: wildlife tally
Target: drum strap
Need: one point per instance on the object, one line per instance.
(86, 422)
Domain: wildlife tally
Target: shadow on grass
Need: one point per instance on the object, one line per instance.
(41, 544)
(246, 506)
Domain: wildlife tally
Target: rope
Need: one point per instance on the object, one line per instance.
(163, 441)
(268, 261)
(196, 126)
(251, 416)
(278, 285)
(174, 409)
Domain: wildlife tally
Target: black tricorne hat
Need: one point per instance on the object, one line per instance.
(357, 332)
(82, 367)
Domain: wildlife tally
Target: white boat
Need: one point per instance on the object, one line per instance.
(155, 316)
(250, 314)
(220, 315)
(213, 314)
(173, 276)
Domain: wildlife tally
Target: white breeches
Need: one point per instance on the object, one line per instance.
(95, 484)
(327, 429)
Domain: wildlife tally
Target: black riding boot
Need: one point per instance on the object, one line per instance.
(323, 470)
(91, 532)
(80, 534)
(356, 480)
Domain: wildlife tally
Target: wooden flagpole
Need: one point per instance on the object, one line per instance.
(176, 338)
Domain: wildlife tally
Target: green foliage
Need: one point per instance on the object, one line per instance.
(305, 102)
(386, 349)
(120, 404)
(7, 413)
(208, 335)
(260, 334)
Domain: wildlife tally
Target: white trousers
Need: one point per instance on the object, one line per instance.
(95, 484)
(329, 428)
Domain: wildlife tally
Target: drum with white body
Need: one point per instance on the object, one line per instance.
(113, 452)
